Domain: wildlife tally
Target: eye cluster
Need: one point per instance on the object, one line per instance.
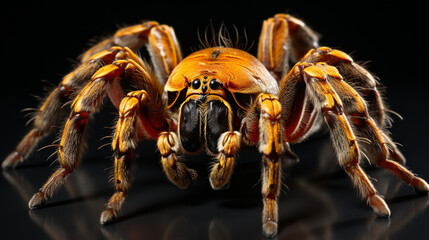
(214, 84)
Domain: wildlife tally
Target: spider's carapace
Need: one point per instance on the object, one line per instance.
(212, 86)
(237, 70)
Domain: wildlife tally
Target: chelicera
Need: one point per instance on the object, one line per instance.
(216, 99)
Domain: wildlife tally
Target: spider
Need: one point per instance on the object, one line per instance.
(216, 99)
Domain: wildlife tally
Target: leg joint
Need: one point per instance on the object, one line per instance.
(229, 143)
(79, 119)
(167, 143)
(270, 106)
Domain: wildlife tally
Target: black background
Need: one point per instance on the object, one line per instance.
(40, 42)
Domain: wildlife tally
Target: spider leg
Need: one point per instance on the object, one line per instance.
(282, 36)
(221, 139)
(262, 126)
(344, 140)
(176, 171)
(163, 48)
(406, 175)
(229, 143)
(133, 37)
(160, 40)
(142, 113)
(50, 111)
(88, 101)
(374, 145)
(141, 116)
(364, 83)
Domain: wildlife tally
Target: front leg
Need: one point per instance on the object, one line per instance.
(262, 126)
(175, 170)
(229, 142)
(221, 140)
(271, 148)
(134, 123)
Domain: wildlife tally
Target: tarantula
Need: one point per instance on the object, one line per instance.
(216, 99)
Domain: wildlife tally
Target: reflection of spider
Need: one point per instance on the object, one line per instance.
(215, 99)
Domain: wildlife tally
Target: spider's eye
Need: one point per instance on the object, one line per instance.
(196, 83)
(214, 84)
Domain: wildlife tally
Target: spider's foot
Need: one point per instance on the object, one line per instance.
(379, 206)
(219, 177)
(420, 185)
(229, 143)
(37, 200)
(184, 178)
(11, 160)
(177, 172)
(107, 216)
(269, 229)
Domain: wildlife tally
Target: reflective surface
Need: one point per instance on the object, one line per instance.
(317, 200)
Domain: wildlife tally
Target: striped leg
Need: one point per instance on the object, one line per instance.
(140, 117)
(176, 171)
(165, 54)
(343, 138)
(282, 38)
(50, 111)
(262, 127)
(88, 101)
(364, 84)
(367, 117)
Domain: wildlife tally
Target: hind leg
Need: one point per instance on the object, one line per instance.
(328, 90)
(317, 79)
(363, 84)
(284, 38)
(368, 123)
(88, 101)
(140, 117)
(50, 111)
(165, 54)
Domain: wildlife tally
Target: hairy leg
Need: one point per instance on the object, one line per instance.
(229, 142)
(134, 123)
(176, 171)
(343, 138)
(262, 126)
(88, 101)
(284, 37)
(165, 54)
(221, 139)
(50, 111)
(71, 145)
(364, 84)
